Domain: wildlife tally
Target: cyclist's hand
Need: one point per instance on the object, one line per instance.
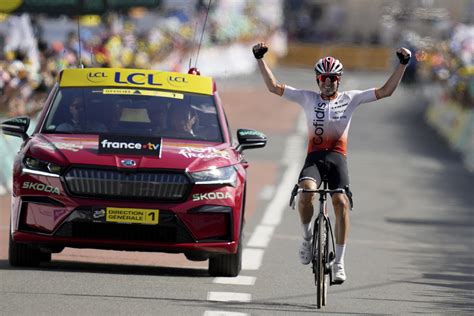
(259, 50)
(403, 55)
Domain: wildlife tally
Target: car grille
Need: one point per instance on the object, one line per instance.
(119, 184)
(123, 232)
(80, 225)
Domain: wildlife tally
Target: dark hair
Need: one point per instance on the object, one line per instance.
(76, 101)
(181, 110)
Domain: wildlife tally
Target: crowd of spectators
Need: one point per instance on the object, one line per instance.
(451, 63)
(117, 41)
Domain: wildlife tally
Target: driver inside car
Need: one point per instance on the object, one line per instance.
(77, 120)
(181, 122)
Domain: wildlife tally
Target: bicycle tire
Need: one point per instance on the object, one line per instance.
(325, 261)
(320, 273)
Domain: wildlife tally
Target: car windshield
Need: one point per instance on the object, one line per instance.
(137, 112)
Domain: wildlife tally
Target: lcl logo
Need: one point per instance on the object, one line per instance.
(177, 81)
(96, 76)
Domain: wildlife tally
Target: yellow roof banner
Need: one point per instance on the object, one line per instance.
(135, 78)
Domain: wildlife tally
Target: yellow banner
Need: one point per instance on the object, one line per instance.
(135, 78)
(132, 215)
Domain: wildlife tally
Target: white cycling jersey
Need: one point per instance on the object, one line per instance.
(328, 120)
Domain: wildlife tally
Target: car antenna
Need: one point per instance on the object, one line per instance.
(202, 33)
(79, 40)
(92, 53)
(194, 40)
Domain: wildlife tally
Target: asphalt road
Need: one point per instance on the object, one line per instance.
(411, 241)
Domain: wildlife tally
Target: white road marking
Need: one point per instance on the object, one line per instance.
(252, 258)
(240, 280)
(293, 159)
(302, 128)
(224, 313)
(229, 297)
(261, 236)
(279, 204)
(267, 192)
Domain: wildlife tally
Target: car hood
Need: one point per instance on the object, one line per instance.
(175, 154)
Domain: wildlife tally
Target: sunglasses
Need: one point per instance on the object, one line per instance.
(333, 78)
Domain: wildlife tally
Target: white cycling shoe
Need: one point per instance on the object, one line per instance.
(339, 272)
(305, 251)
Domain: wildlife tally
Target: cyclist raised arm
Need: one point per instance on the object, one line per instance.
(392, 83)
(328, 117)
(272, 84)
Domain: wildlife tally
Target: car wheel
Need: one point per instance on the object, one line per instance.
(196, 256)
(226, 265)
(45, 257)
(21, 255)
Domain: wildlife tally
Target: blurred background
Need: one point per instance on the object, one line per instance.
(38, 38)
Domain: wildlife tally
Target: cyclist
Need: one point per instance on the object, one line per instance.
(328, 116)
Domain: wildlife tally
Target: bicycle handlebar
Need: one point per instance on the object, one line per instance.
(296, 190)
(321, 191)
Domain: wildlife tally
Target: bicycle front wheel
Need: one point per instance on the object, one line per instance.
(325, 255)
(321, 286)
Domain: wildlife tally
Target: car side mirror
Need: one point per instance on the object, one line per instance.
(249, 139)
(17, 126)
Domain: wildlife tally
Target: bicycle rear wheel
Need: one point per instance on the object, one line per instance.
(319, 270)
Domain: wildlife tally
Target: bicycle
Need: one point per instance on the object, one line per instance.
(322, 229)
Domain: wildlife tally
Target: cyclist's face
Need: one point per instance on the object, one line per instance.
(328, 84)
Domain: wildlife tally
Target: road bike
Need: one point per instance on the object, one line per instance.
(323, 246)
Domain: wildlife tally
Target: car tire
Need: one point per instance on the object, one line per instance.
(226, 265)
(196, 256)
(21, 255)
(45, 257)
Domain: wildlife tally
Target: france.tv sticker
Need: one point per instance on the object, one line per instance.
(130, 145)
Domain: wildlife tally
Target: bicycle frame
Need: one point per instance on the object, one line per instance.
(329, 257)
(322, 260)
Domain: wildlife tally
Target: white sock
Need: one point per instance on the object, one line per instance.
(307, 234)
(340, 250)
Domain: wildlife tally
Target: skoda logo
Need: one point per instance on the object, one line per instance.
(128, 163)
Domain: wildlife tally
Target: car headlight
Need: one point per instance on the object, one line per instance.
(226, 175)
(37, 166)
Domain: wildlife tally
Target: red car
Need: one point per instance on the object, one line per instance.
(130, 159)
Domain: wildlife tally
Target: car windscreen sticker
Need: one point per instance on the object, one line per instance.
(163, 94)
(130, 145)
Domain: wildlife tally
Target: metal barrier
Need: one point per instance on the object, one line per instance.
(456, 124)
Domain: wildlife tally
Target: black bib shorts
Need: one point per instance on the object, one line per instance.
(331, 164)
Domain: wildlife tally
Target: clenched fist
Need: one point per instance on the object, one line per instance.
(259, 50)
(403, 55)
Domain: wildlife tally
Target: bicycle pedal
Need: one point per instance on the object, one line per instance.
(337, 282)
